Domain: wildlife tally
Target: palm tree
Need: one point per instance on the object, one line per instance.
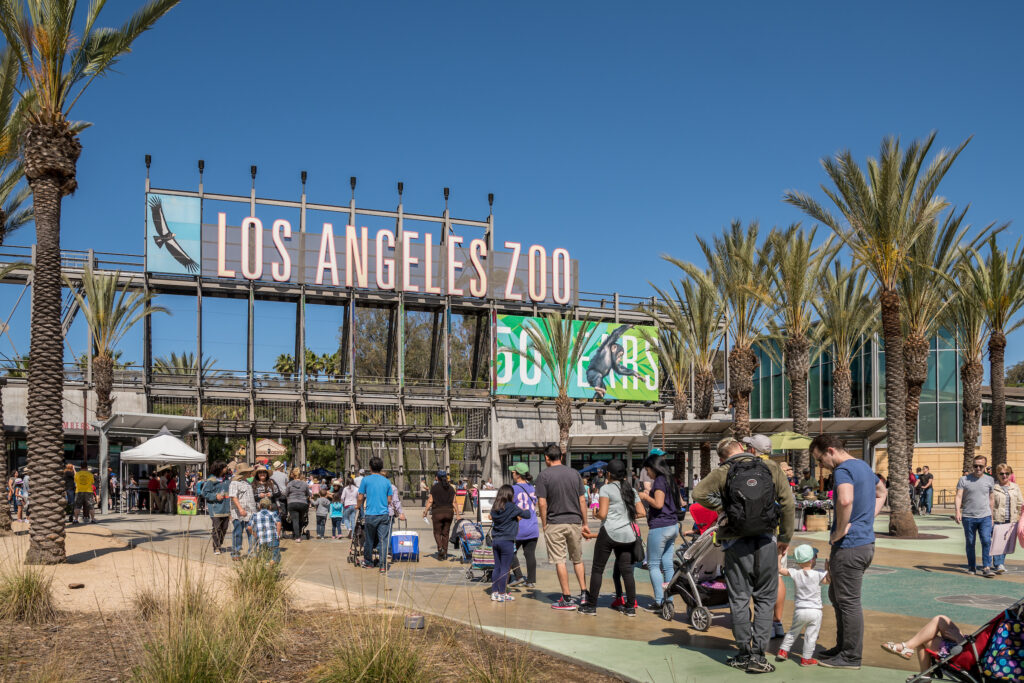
(966, 317)
(794, 270)
(559, 343)
(14, 213)
(998, 288)
(925, 289)
(881, 216)
(739, 268)
(184, 365)
(58, 67)
(313, 364)
(110, 311)
(846, 316)
(285, 365)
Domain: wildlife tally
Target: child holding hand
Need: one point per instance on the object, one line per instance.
(806, 603)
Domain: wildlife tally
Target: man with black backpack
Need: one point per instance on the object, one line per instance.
(757, 505)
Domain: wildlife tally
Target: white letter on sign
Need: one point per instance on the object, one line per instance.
(282, 272)
(477, 251)
(453, 242)
(222, 227)
(385, 265)
(252, 223)
(538, 286)
(353, 252)
(328, 257)
(561, 276)
(516, 248)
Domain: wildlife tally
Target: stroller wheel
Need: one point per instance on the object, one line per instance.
(668, 610)
(469, 574)
(700, 618)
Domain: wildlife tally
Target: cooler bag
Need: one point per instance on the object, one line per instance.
(405, 546)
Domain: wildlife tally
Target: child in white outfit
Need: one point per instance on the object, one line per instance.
(806, 603)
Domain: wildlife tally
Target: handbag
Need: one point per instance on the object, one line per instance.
(639, 553)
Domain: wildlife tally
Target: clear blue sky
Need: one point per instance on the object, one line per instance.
(620, 130)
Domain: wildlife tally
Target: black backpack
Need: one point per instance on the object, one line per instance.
(748, 499)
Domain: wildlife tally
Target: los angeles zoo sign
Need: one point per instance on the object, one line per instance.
(273, 250)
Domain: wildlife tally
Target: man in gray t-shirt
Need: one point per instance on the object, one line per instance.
(974, 511)
(562, 508)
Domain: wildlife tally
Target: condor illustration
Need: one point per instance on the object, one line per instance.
(605, 359)
(165, 239)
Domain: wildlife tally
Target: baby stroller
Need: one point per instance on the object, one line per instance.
(698, 579)
(355, 551)
(474, 550)
(993, 653)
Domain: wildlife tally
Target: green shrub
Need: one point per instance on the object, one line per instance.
(26, 594)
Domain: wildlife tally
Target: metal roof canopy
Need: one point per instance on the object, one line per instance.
(686, 433)
(148, 424)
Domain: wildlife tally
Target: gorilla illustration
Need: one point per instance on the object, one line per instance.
(607, 358)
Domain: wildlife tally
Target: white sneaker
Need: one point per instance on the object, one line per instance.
(1001, 569)
(497, 597)
(508, 597)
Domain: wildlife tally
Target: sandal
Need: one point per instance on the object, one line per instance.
(898, 649)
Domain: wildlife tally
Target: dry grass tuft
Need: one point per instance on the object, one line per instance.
(26, 594)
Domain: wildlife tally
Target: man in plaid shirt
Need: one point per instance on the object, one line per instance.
(266, 526)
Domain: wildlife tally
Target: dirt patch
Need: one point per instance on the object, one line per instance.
(82, 647)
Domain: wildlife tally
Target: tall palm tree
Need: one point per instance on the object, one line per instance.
(846, 317)
(881, 216)
(739, 269)
(110, 311)
(794, 270)
(184, 365)
(925, 290)
(285, 365)
(966, 317)
(560, 341)
(998, 284)
(14, 211)
(58, 67)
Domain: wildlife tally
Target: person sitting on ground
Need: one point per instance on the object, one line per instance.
(266, 526)
(505, 515)
(939, 635)
(806, 604)
(618, 510)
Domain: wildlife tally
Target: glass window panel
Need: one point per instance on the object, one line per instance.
(814, 392)
(948, 420)
(928, 390)
(945, 340)
(755, 400)
(785, 396)
(927, 424)
(947, 376)
(881, 375)
(826, 392)
(777, 396)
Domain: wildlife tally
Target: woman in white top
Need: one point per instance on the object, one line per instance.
(349, 499)
(618, 509)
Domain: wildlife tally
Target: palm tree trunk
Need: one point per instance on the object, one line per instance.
(841, 393)
(46, 383)
(798, 365)
(972, 373)
(997, 376)
(742, 363)
(705, 459)
(679, 404)
(103, 371)
(901, 519)
(563, 414)
(703, 403)
(5, 510)
(915, 356)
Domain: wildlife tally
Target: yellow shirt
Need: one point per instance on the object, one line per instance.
(83, 481)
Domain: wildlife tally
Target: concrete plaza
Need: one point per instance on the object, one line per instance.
(909, 582)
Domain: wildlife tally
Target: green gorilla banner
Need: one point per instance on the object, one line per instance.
(617, 363)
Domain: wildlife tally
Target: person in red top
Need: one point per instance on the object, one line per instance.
(154, 492)
(172, 493)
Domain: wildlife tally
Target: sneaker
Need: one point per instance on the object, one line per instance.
(629, 611)
(563, 604)
(987, 572)
(588, 609)
(509, 597)
(778, 631)
(654, 608)
(516, 582)
(972, 572)
(366, 565)
(808, 662)
(583, 598)
(531, 584)
(836, 663)
(738, 661)
(759, 665)
(781, 656)
(497, 597)
(619, 603)
(217, 552)
(1001, 569)
(830, 653)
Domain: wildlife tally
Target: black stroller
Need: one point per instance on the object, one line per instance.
(698, 579)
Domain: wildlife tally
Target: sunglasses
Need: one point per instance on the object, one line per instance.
(1004, 474)
(979, 467)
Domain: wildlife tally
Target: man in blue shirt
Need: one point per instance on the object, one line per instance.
(858, 496)
(374, 495)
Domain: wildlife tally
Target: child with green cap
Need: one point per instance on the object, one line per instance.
(806, 603)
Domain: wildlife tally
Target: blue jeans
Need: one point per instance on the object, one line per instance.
(241, 527)
(377, 527)
(273, 549)
(321, 526)
(981, 526)
(336, 525)
(350, 517)
(926, 500)
(660, 547)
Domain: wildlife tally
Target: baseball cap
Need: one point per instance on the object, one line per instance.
(657, 451)
(442, 474)
(362, 471)
(759, 442)
(804, 553)
(520, 468)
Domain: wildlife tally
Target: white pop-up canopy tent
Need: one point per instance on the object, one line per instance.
(160, 450)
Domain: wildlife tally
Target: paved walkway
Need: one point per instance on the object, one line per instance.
(910, 581)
